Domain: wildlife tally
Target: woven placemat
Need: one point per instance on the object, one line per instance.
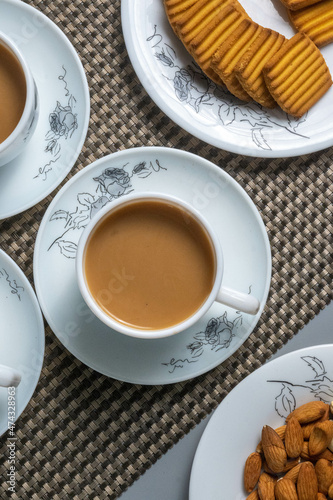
(84, 435)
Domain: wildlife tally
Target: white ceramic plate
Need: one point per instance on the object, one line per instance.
(266, 396)
(220, 199)
(64, 109)
(180, 89)
(21, 335)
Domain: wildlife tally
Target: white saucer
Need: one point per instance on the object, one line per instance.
(226, 206)
(64, 109)
(21, 335)
(265, 397)
(211, 113)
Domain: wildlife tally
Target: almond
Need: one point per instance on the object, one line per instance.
(266, 487)
(306, 455)
(293, 439)
(285, 490)
(291, 464)
(307, 483)
(280, 431)
(320, 496)
(252, 471)
(273, 448)
(324, 471)
(308, 412)
(292, 474)
(320, 437)
(254, 495)
(307, 428)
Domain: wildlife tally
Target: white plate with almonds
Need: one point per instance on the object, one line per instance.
(264, 398)
(210, 112)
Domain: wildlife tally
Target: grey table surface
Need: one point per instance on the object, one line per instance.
(169, 478)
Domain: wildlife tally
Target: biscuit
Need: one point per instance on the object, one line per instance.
(298, 4)
(202, 26)
(315, 21)
(203, 34)
(297, 75)
(205, 44)
(230, 52)
(175, 8)
(249, 68)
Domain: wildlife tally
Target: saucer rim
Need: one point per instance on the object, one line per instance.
(132, 152)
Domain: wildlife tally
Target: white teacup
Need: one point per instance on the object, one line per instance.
(232, 298)
(14, 144)
(9, 377)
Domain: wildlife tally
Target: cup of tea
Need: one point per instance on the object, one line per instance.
(18, 101)
(149, 265)
(9, 377)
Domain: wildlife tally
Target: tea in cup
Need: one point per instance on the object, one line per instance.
(18, 101)
(149, 266)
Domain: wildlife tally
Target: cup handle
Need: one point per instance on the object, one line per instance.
(9, 377)
(237, 300)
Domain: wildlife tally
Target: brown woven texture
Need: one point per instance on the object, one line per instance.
(84, 435)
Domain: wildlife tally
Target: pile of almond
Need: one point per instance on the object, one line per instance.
(294, 461)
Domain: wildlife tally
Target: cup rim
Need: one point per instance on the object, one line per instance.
(5, 40)
(138, 332)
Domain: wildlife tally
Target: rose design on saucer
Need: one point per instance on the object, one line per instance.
(112, 183)
(63, 123)
(218, 335)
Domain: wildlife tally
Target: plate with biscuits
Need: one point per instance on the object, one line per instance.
(251, 81)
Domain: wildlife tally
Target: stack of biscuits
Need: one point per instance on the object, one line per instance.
(253, 62)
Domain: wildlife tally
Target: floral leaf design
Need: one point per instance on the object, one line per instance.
(60, 214)
(285, 402)
(320, 388)
(226, 114)
(67, 248)
(85, 199)
(296, 122)
(259, 139)
(316, 364)
(80, 220)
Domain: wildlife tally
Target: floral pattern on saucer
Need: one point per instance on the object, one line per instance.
(194, 88)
